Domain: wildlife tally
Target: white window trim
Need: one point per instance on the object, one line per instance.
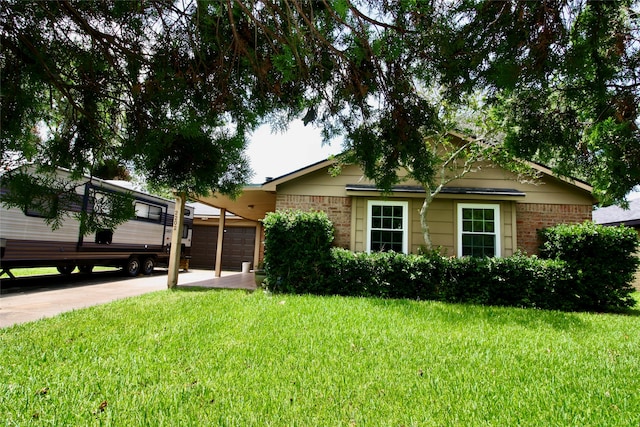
(498, 223)
(405, 221)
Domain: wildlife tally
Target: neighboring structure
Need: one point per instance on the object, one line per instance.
(615, 215)
(487, 212)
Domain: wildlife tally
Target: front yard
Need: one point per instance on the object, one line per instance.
(233, 358)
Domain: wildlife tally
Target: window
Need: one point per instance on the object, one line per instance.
(478, 230)
(387, 226)
(148, 212)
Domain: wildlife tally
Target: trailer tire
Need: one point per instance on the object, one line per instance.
(148, 265)
(66, 269)
(85, 269)
(132, 268)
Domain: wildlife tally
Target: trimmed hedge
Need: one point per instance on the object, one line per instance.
(517, 281)
(297, 250)
(601, 259)
(384, 274)
(584, 267)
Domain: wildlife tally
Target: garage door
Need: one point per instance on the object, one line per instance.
(239, 243)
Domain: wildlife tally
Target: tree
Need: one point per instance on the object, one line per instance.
(171, 87)
(563, 78)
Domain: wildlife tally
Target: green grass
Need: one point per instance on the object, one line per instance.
(42, 271)
(231, 358)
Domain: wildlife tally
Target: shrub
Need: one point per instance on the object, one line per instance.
(297, 250)
(601, 259)
(384, 274)
(351, 274)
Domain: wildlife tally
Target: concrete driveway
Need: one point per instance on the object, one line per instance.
(29, 304)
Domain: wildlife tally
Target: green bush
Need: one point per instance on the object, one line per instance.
(585, 267)
(516, 281)
(297, 250)
(384, 274)
(602, 262)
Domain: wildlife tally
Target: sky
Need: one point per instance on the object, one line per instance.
(276, 154)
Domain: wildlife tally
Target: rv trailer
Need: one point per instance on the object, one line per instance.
(136, 246)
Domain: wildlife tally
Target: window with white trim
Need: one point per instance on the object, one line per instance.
(478, 230)
(387, 226)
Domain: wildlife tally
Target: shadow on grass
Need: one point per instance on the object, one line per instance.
(192, 288)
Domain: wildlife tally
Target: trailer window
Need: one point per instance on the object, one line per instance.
(99, 203)
(148, 212)
(46, 206)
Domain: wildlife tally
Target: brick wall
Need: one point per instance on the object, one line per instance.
(338, 209)
(531, 217)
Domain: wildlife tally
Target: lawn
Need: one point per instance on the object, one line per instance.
(233, 358)
(41, 271)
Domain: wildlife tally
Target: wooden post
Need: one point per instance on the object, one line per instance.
(258, 243)
(221, 224)
(176, 240)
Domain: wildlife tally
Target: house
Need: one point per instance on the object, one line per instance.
(615, 215)
(488, 211)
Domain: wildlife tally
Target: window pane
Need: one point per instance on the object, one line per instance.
(478, 234)
(387, 228)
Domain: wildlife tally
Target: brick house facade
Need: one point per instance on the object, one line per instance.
(338, 209)
(532, 217)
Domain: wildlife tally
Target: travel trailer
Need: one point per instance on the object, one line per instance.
(136, 246)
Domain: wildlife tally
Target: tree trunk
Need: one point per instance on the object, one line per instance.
(426, 235)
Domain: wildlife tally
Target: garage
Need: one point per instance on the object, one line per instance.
(238, 244)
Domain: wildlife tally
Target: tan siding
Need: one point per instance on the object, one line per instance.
(321, 183)
(548, 189)
(360, 206)
(506, 230)
(545, 190)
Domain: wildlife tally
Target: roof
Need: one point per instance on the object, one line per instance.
(615, 215)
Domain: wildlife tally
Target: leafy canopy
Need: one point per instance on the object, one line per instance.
(171, 88)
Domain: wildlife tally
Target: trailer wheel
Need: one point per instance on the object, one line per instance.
(148, 265)
(66, 269)
(86, 269)
(133, 267)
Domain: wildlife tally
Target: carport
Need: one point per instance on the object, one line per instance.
(245, 213)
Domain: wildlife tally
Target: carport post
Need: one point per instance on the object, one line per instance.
(221, 225)
(176, 240)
